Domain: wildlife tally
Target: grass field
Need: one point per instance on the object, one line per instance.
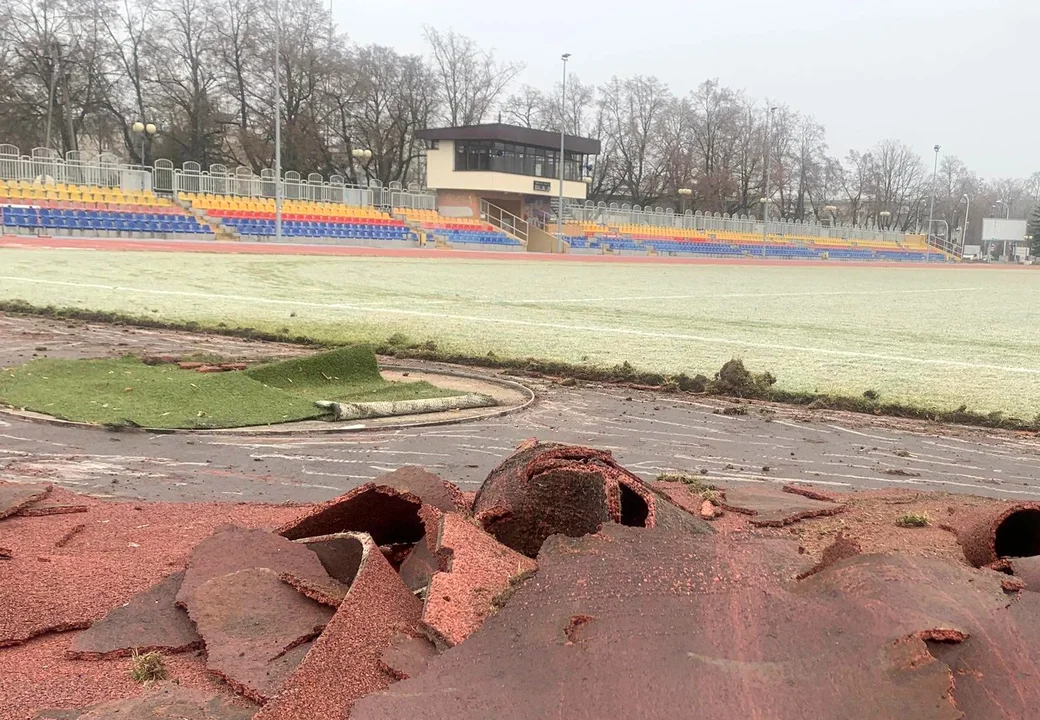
(942, 337)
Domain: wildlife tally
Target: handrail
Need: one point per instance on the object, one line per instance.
(504, 220)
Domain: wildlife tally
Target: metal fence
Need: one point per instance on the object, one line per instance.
(45, 166)
(615, 215)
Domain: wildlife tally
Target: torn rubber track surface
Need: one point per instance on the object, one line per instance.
(388, 515)
(682, 621)
(15, 497)
(775, 508)
(544, 489)
(170, 702)
(256, 629)
(478, 569)
(1010, 531)
(150, 621)
(431, 489)
(231, 549)
(344, 663)
(407, 656)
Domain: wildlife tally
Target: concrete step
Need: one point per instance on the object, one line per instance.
(221, 231)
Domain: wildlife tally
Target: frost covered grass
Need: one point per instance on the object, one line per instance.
(939, 337)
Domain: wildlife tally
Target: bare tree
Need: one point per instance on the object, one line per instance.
(897, 178)
(634, 111)
(470, 79)
(526, 108)
(185, 45)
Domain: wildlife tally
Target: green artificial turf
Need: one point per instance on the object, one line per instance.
(126, 392)
(348, 374)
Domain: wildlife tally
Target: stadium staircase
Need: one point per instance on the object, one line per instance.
(444, 231)
(513, 226)
(222, 232)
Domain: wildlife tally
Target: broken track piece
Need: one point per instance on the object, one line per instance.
(544, 489)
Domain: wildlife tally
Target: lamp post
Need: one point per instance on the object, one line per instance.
(765, 181)
(931, 204)
(563, 126)
(361, 156)
(885, 216)
(1007, 216)
(967, 214)
(684, 192)
(55, 60)
(144, 130)
(831, 210)
(277, 123)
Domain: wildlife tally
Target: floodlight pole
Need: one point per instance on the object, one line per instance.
(964, 230)
(765, 183)
(277, 124)
(931, 205)
(563, 126)
(50, 98)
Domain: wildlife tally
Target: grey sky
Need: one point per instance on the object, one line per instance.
(961, 73)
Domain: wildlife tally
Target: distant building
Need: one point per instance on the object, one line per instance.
(499, 172)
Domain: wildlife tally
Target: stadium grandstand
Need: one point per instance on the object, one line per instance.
(487, 187)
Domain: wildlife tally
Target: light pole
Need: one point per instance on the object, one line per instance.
(1007, 216)
(55, 64)
(361, 156)
(831, 210)
(931, 204)
(886, 217)
(563, 127)
(277, 123)
(967, 214)
(684, 192)
(144, 131)
(765, 180)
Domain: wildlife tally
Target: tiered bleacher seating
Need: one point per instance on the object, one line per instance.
(683, 241)
(461, 231)
(300, 218)
(59, 209)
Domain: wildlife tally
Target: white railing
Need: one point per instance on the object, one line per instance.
(614, 215)
(243, 183)
(44, 166)
(504, 220)
(944, 242)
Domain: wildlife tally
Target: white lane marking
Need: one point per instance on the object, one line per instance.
(309, 458)
(624, 298)
(307, 471)
(879, 438)
(546, 325)
(796, 426)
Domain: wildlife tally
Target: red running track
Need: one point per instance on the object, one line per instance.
(262, 248)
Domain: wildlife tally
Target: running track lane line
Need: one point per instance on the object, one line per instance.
(531, 323)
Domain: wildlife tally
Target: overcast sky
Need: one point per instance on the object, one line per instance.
(961, 73)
